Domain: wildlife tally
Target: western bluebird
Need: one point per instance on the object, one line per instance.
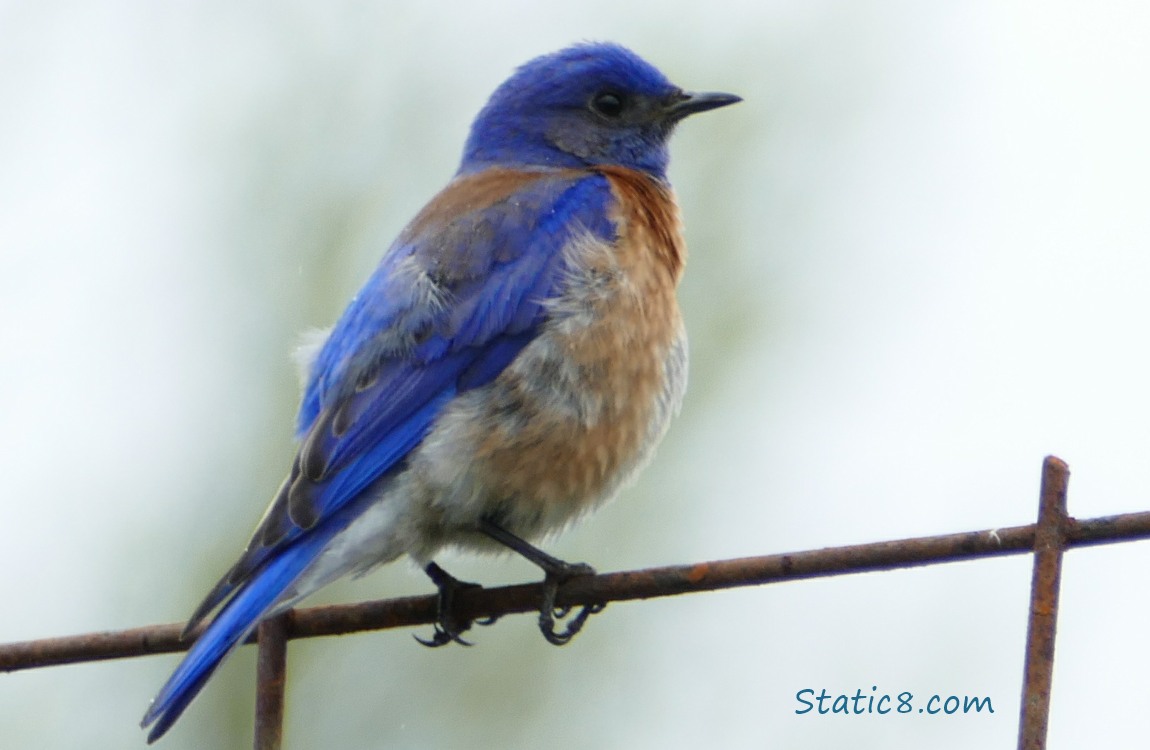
(511, 363)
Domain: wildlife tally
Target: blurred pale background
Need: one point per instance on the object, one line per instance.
(919, 264)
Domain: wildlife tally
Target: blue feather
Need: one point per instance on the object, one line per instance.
(368, 403)
(230, 628)
(496, 304)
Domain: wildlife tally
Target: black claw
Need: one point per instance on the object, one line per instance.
(448, 626)
(557, 571)
(440, 637)
(549, 613)
(573, 626)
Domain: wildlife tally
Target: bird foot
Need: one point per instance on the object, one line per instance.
(449, 627)
(549, 614)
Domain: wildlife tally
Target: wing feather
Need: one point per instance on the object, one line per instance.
(452, 303)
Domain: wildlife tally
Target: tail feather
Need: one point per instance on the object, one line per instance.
(230, 628)
(219, 593)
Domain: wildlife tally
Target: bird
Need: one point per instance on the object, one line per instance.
(511, 363)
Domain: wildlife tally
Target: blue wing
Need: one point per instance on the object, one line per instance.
(452, 303)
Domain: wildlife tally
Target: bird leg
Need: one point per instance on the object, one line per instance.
(448, 627)
(556, 572)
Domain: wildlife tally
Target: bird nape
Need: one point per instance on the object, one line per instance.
(511, 363)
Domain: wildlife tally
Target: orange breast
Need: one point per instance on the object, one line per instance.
(585, 403)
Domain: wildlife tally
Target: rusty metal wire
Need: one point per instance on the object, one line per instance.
(1049, 542)
(1054, 532)
(271, 682)
(606, 587)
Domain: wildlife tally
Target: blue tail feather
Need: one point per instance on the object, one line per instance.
(230, 627)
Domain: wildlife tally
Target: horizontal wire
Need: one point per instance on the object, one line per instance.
(607, 587)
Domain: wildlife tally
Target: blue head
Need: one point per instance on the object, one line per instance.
(585, 105)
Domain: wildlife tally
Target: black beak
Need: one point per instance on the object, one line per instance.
(691, 103)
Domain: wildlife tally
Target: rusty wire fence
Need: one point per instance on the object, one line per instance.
(1053, 533)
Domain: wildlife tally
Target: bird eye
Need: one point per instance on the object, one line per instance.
(608, 104)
